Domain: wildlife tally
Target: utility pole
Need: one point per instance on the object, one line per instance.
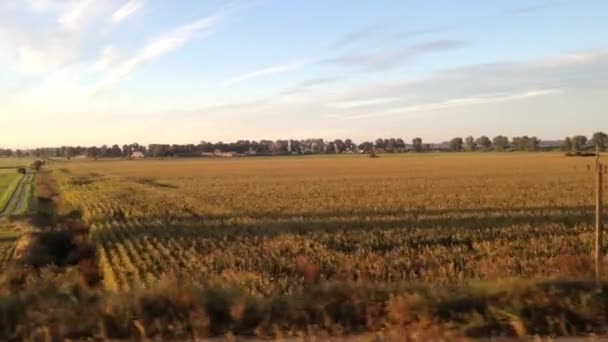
(599, 202)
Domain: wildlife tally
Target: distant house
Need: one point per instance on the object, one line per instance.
(218, 153)
(137, 155)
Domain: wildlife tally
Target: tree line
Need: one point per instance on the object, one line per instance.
(498, 143)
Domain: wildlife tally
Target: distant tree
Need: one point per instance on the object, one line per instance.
(115, 151)
(525, 143)
(366, 146)
(103, 150)
(350, 145)
(417, 144)
(37, 164)
(456, 144)
(500, 143)
(330, 147)
(281, 147)
(484, 143)
(470, 144)
(600, 140)
(567, 145)
(379, 143)
(93, 152)
(579, 143)
(339, 145)
(400, 145)
(391, 145)
(533, 144)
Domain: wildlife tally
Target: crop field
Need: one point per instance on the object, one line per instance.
(272, 225)
(9, 183)
(14, 162)
(9, 180)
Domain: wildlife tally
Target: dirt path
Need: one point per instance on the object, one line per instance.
(18, 202)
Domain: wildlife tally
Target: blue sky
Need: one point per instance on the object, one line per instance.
(153, 71)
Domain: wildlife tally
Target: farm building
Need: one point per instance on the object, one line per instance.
(218, 153)
(137, 155)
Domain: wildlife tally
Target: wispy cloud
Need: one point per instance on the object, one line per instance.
(275, 69)
(363, 103)
(158, 47)
(358, 36)
(126, 10)
(423, 32)
(108, 57)
(389, 58)
(456, 102)
(43, 5)
(531, 8)
(75, 14)
(309, 84)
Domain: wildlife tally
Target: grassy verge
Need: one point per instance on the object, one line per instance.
(28, 202)
(60, 306)
(9, 190)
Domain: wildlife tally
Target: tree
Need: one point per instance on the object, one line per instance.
(391, 145)
(417, 144)
(500, 143)
(366, 146)
(339, 145)
(567, 145)
(37, 164)
(470, 144)
(525, 143)
(533, 144)
(379, 143)
(93, 152)
(484, 143)
(600, 140)
(281, 147)
(115, 151)
(400, 145)
(579, 143)
(456, 144)
(350, 145)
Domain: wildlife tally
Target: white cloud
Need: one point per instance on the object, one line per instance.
(75, 14)
(108, 57)
(363, 103)
(276, 69)
(126, 10)
(43, 5)
(388, 58)
(457, 102)
(156, 48)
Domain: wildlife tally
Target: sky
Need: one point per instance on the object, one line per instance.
(91, 72)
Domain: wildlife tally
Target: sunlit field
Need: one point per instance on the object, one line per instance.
(270, 224)
(15, 162)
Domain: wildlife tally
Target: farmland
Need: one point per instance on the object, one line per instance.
(9, 180)
(272, 225)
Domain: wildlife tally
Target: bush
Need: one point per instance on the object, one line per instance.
(37, 164)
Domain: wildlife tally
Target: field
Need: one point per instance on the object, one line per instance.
(274, 225)
(9, 179)
(15, 199)
(15, 162)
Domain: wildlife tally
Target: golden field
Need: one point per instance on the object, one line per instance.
(272, 225)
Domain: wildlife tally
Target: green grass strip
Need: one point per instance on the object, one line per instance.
(6, 195)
